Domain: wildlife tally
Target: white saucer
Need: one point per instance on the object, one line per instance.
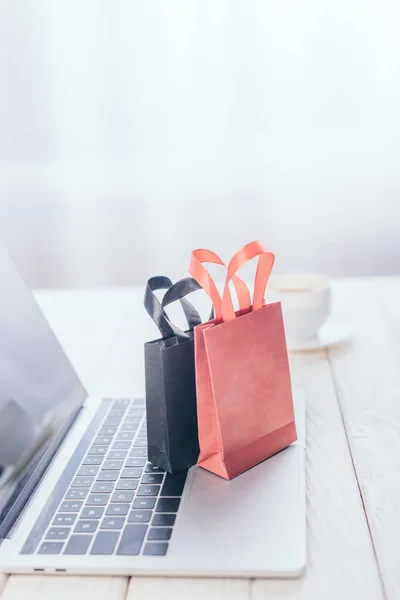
(335, 330)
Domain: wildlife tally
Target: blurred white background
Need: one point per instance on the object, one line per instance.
(133, 131)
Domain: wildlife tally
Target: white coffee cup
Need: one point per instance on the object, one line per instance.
(306, 302)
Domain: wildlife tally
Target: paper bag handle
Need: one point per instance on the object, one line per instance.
(265, 263)
(202, 276)
(157, 312)
(179, 290)
(224, 309)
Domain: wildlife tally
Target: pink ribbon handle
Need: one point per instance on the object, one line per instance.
(224, 309)
(203, 278)
(264, 267)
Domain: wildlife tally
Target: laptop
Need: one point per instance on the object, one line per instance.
(78, 496)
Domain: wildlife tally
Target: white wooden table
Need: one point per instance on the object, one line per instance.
(353, 448)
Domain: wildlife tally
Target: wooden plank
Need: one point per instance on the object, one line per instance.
(51, 587)
(340, 561)
(368, 385)
(183, 589)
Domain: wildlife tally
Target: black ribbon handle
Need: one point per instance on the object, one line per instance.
(181, 289)
(176, 292)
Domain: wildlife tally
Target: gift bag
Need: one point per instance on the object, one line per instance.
(170, 380)
(244, 395)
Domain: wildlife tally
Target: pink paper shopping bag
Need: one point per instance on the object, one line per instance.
(244, 396)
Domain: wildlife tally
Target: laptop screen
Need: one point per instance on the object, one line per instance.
(39, 389)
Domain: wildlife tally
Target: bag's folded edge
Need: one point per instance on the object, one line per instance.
(238, 461)
(163, 460)
(159, 459)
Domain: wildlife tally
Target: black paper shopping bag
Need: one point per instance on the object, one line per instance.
(170, 380)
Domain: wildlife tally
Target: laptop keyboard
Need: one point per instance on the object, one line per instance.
(116, 503)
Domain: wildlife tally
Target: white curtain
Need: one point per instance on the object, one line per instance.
(132, 131)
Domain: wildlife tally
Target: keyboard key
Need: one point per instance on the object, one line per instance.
(121, 445)
(138, 401)
(135, 462)
(117, 454)
(138, 452)
(155, 549)
(125, 436)
(117, 509)
(58, 533)
(103, 440)
(98, 450)
(139, 516)
(97, 500)
(50, 548)
(153, 478)
(108, 430)
(126, 484)
(72, 494)
(107, 476)
(131, 473)
(159, 534)
(78, 544)
(64, 519)
(143, 502)
(122, 403)
(82, 482)
(174, 484)
(113, 464)
(161, 520)
(136, 410)
(153, 469)
(111, 422)
(105, 542)
(132, 540)
(133, 419)
(128, 427)
(102, 487)
(85, 526)
(116, 413)
(71, 506)
(93, 513)
(88, 470)
(148, 490)
(140, 443)
(112, 523)
(93, 460)
(122, 497)
(168, 505)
